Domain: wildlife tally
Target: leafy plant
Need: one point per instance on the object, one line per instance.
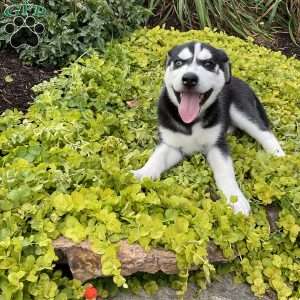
(72, 27)
(65, 170)
(243, 18)
(293, 10)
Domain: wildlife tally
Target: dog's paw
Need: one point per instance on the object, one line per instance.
(143, 172)
(241, 205)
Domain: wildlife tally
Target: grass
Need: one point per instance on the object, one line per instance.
(240, 17)
(293, 9)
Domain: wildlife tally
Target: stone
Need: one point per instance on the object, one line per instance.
(85, 264)
(221, 289)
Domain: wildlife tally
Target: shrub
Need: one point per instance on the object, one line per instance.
(293, 10)
(72, 27)
(64, 170)
(242, 18)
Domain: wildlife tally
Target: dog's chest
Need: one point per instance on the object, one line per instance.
(201, 138)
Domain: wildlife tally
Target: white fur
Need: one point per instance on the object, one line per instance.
(185, 54)
(197, 50)
(201, 138)
(225, 180)
(171, 93)
(207, 79)
(167, 154)
(203, 54)
(265, 138)
(175, 144)
(163, 158)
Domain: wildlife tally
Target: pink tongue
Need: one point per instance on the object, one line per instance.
(189, 106)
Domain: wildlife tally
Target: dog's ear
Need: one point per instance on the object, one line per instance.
(225, 65)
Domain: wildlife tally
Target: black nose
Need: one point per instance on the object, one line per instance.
(190, 79)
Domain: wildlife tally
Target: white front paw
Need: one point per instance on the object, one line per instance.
(241, 205)
(145, 172)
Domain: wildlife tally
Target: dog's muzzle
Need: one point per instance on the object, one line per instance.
(190, 80)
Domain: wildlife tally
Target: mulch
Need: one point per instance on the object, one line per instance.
(282, 42)
(17, 78)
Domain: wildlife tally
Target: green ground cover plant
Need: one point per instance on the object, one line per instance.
(65, 170)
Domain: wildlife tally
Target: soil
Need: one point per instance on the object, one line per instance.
(282, 42)
(17, 79)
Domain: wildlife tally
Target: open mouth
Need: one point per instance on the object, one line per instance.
(190, 104)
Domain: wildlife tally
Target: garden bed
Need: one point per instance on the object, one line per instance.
(68, 200)
(66, 163)
(17, 79)
(18, 94)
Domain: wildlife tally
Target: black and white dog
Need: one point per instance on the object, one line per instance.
(199, 103)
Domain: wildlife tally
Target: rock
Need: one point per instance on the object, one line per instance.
(273, 216)
(85, 264)
(220, 289)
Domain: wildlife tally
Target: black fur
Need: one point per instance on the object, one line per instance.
(237, 92)
(223, 101)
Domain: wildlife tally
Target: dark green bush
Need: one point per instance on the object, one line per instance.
(74, 26)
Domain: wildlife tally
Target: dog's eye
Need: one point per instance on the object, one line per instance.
(178, 63)
(209, 64)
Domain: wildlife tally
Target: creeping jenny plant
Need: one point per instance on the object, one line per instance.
(64, 170)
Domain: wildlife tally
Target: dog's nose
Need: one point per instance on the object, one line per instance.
(190, 79)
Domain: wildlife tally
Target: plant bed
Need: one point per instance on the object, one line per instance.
(274, 25)
(65, 171)
(17, 79)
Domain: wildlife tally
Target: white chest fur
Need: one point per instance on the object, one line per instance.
(200, 140)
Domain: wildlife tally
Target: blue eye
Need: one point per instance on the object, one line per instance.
(178, 63)
(209, 64)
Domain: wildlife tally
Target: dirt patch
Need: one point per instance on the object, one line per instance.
(17, 79)
(282, 42)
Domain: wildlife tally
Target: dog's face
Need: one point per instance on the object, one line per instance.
(195, 74)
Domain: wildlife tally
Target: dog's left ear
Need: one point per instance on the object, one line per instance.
(225, 65)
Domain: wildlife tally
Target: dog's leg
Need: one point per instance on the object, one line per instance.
(161, 160)
(223, 171)
(264, 136)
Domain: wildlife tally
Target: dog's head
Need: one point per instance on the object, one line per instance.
(195, 74)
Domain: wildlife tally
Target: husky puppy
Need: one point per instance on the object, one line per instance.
(200, 101)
